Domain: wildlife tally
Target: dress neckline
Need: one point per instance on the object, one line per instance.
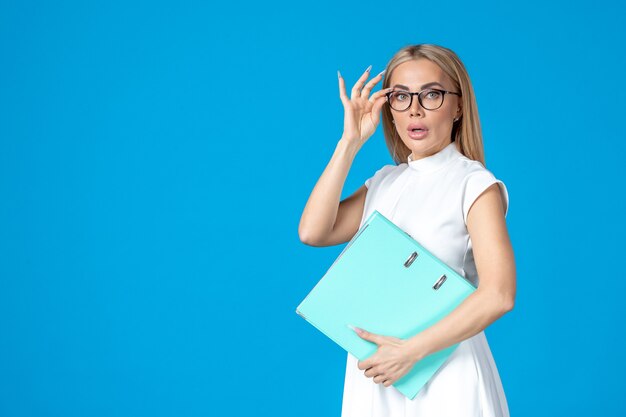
(435, 161)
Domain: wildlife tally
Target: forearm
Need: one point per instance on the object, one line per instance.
(320, 212)
(472, 316)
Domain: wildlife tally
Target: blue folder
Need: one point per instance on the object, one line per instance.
(385, 282)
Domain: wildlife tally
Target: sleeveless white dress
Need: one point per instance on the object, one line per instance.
(429, 199)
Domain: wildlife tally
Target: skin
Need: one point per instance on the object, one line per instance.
(414, 74)
(486, 224)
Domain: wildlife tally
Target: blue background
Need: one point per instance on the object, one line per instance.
(156, 157)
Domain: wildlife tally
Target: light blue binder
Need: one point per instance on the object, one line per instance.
(387, 283)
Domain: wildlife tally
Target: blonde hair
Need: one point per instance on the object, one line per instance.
(466, 131)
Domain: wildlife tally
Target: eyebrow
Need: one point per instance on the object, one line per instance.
(423, 87)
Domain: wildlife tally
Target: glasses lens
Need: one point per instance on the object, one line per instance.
(431, 99)
(399, 100)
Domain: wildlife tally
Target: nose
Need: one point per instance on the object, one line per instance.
(416, 109)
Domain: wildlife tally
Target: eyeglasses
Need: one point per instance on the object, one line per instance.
(430, 99)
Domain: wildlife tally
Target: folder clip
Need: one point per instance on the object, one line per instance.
(440, 282)
(411, 259)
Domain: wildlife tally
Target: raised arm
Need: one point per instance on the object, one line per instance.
(325, 220)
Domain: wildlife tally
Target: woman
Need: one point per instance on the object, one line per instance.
(440, 193)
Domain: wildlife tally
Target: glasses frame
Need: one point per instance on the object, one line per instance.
(419, 97)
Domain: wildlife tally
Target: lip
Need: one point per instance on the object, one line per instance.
(417, 135)
(416, 126)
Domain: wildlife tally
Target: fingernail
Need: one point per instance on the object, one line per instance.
(338, 74)
(356, 329)
(382, 72)
(368, 68)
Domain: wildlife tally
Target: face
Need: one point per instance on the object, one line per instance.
(412, 76)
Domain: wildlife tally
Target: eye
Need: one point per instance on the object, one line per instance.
(433, 94)
(401, 96)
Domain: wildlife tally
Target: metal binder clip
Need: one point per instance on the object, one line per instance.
(440, 282)
(410, 260)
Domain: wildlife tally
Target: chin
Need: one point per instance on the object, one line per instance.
(423, 145)
(419, 143)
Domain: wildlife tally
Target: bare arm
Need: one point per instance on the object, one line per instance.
(495, 295)
(325, 220)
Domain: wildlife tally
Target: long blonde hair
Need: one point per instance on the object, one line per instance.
(466, 131)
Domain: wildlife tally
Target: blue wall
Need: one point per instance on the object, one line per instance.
(155, 158)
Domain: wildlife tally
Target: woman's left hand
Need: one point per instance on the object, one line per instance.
(391, 361)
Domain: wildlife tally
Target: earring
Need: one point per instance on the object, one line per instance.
(456, 119)
(393, 121)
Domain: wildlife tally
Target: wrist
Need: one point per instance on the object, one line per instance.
(415, 348)
(348, 146)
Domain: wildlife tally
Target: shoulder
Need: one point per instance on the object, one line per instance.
(468, 170)
(475, 179)
(467, 166)
(386, 171)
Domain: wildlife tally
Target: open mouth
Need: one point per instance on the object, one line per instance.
(418, 133)
(416, 127)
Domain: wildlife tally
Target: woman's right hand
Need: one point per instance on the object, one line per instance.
(361, 112)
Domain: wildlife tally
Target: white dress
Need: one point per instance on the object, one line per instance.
(429, 199)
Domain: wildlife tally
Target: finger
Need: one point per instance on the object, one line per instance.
(371, 372)
(342, 89)
(379, 378)
(387, 382)
(378, 104)
(356, 90)
(380, 93)
(365, 365)
(372, 337)
(371, 83)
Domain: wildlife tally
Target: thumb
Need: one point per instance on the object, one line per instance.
(364, 334)
(378, 104)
